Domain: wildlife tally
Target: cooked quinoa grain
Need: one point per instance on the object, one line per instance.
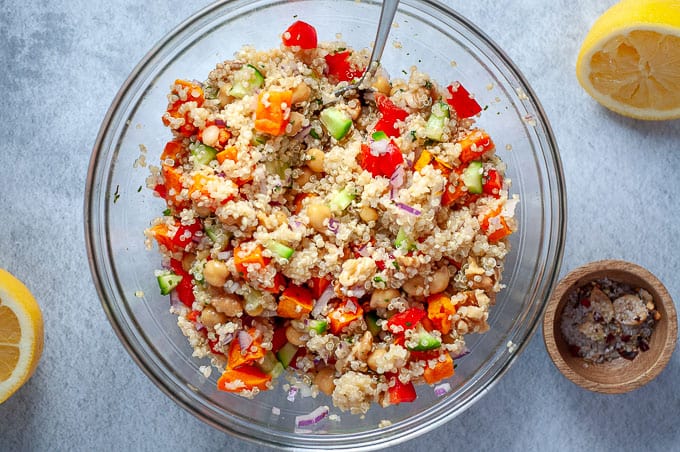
(353, 241)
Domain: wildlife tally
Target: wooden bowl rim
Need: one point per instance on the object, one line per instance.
(589, 272)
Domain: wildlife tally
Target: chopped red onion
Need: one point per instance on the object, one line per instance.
(220, 122)
(227, 338)
(313, 418)
(442, 389)
(323, 300)
(199, 326)
(292, 392)
(396, 181)
(333, 225)
(244, 340)
(302, 134)
(464, 352)
(350, 306)
(379, 148)
(408, 208)
(175, 301)
(363, 250)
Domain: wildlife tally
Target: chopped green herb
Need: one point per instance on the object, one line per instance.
(314, 134)
(429, 142)
(486, 107)
(404, 72)
(378, 279)
(413, 135)
(167, 212)
(116, 195)
(428, 84)
(139, 189)
(395, 264)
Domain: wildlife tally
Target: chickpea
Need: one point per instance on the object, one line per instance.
(318, 215)
(210, 317)
(325, 380)
(228, 304)
(482, 282)
(295, 122)
(315, 160)
(215, 273)
(380, 298)
(368, 214)
(303, 178)
(362, 348)
(187, 261)
(382, 85)
(301, 93)
(354, 109)
(294, 336)
(440, 280)
(223, 95)
(373, 358)
(414, 286)
(211, 135)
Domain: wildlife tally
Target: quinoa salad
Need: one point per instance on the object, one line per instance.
(348, 242)
(605, 320)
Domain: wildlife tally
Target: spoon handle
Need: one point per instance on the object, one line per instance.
(387, 12)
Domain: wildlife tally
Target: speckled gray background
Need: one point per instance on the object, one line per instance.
(62, 63)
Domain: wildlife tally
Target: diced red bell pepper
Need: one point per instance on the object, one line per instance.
(279, 339)
(462, 102)
(318, 286)
(185, 288)
(300, 34)
(405, 320)
(401, 392)
(493, 183)
(390, 114)
(383, 164)
(185, 234)
(340, 68)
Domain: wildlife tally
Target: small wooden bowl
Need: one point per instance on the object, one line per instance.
(619, 375)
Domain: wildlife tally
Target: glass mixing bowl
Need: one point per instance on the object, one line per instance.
(118, 208)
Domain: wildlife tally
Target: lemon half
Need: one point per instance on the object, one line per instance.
(630, 60)
(21, 334)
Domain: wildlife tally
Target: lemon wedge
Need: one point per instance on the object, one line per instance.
(630, 60)
(21, 334)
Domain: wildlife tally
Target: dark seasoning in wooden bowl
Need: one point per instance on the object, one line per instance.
(618, 375)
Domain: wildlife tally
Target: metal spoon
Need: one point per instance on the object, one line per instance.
(387, 12)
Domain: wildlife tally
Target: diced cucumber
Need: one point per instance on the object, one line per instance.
(342, 199)
(404, 240)
(286, 354)
(271, 365)
(280, 249)
(168, 281)
(336, 121)
(217, 234)
(436, 124)
(258, 140)
(318, 325)
(203, 154)
(372, 323)
(379, 135)
(316, 134)
(247, 79)
(472, 177)
(277, 167)
(424, 342)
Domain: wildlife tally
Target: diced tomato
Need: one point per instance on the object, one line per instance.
(462, 102)
(401, 392)
(185, 288)
(405, 320)
(300, 34)
(390, 114)
(493, 183)
(212, 343)
(381, 165)
(340, 68)
(299, 354)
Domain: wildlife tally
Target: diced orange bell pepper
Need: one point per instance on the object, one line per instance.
(236, 356)
(230, 153)
(172, 183)
(246, 377)
(345, 313)
(270, 115)
(174, 151)
(441, 370)
(161, 233)
(253, 257)
(439, 311)
(424, 160)
(295, 302)
(474, 144)
(500, 226)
